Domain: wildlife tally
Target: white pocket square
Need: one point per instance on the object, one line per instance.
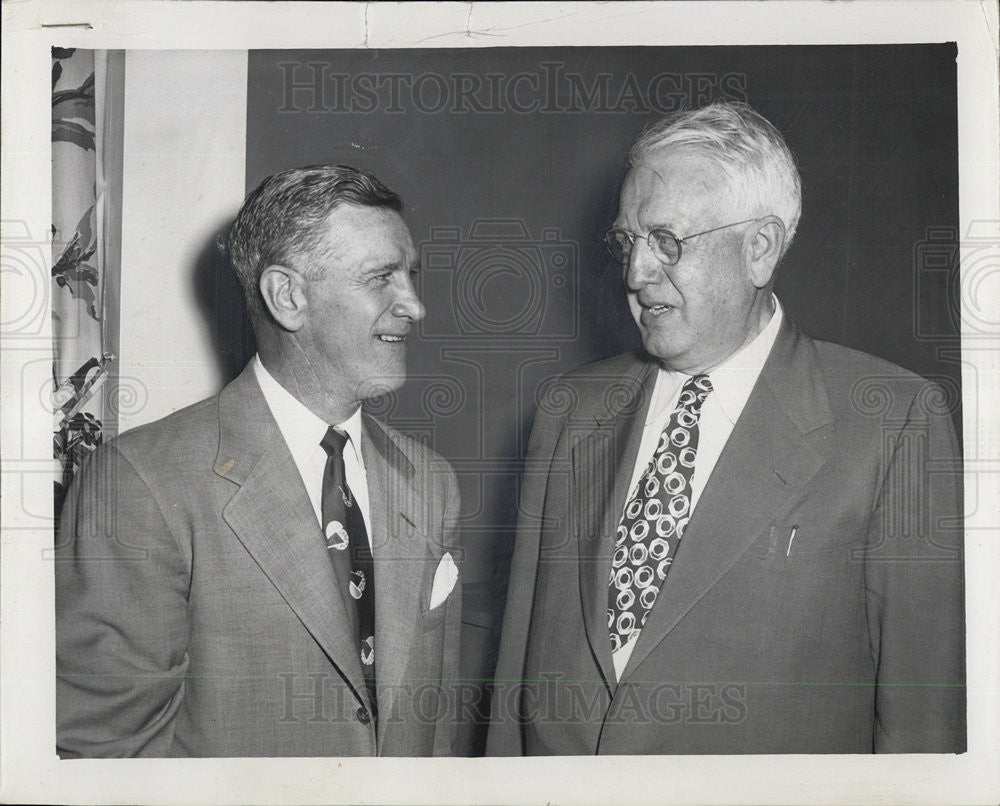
(445, 578)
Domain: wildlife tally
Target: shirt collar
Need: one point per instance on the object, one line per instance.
(733, 380)
(303, 431)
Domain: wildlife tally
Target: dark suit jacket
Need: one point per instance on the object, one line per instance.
(849, 640)
(198, 613)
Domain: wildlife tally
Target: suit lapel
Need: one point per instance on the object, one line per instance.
(774, 450)
(273, 518)
(401, 552)
(602, 462)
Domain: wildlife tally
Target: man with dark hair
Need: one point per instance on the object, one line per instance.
(272, 572)
(723, 546)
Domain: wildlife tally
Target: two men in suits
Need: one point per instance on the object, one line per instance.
(737, 539)
(271, 571)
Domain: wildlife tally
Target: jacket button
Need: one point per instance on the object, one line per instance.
(363, 716)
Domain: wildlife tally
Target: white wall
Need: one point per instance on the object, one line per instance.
(184, 174)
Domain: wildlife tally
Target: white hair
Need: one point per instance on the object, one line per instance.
(749, 150)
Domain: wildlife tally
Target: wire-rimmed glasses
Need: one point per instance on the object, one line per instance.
(665, 246)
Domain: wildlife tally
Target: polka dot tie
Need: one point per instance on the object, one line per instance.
(349, 551)
(654, 519)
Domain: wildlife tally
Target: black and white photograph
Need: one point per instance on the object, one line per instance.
(404, 402)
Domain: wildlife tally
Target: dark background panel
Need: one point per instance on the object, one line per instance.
(509, 162)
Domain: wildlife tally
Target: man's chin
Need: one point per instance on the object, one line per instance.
(661, 349)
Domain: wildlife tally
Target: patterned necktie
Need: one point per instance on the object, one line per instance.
(654, 519)
(344, 527)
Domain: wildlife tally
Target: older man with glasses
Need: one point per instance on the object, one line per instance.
(719, 550)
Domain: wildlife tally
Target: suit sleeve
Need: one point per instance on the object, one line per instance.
(121, 616)
(915, 588)
(504, 737)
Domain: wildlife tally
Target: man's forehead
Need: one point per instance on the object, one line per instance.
(363, 217)
(352, 229)
(678, 178)
(676, 166)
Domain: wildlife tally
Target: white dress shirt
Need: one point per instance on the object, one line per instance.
(303, 432)
(732, 382)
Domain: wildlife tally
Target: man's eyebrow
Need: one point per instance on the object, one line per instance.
(381, 268)
(658, 226)
(391, 266)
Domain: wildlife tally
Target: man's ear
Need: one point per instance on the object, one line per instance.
(282, 290)
(765, 250)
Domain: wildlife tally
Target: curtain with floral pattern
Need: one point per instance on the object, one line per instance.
(87, 95)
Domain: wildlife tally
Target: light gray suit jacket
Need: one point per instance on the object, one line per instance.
(198, 613)
(846, 638)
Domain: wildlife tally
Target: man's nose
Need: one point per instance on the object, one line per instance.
(408, 305)
(643, 267)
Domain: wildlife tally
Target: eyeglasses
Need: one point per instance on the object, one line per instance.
(665, 246)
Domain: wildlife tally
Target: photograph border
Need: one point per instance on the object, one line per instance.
(30, 771)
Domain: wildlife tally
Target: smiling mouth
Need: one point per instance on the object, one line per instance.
(389, 339)
(656, 310)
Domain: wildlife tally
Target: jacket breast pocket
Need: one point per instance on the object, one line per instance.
(798, 562)
(435, 676)
(812, 579)
(438, 632)
(786, 542)
(432, 620)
